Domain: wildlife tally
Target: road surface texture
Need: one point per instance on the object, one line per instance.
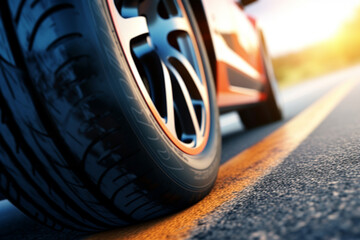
(313, 193)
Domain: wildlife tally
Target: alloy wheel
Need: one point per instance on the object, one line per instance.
(161, 47)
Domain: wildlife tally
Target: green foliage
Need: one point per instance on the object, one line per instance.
(338, 52)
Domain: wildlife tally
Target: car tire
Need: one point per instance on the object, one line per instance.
(270, 110)
(261, 114)
(81, 145)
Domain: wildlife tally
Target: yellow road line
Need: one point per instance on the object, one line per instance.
(239, 172)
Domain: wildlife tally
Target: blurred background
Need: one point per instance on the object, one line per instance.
(309, 38)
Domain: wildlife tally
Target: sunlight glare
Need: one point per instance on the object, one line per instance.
(290, 25)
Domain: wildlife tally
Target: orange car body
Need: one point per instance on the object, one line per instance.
(237, 51)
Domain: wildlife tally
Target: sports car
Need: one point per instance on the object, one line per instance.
(110, 108)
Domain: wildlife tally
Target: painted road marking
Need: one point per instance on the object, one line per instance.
(240, 172)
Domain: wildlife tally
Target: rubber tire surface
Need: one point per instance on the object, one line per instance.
(261, 114)
(270, 110)
(78, 146)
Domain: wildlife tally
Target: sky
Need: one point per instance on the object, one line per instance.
(290, 25)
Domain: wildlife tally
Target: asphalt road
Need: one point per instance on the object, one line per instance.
(312, 194)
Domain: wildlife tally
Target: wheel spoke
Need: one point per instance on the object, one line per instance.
(135, 26)
(188, 101)
(198, 103)
(170, 115)
(186, 48)
(186, 65)
(175, 24)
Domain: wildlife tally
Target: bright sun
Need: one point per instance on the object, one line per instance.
(290, 25)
